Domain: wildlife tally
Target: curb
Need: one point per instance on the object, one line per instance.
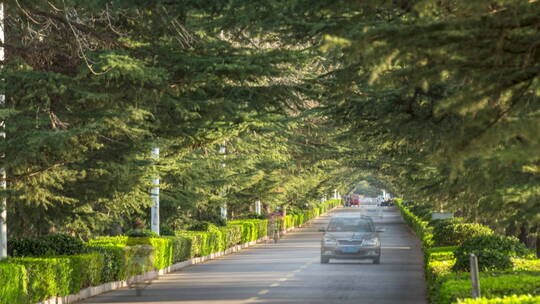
(151, 275)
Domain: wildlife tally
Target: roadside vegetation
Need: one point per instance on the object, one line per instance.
(509, 271)
(279, 102)
(60, 265)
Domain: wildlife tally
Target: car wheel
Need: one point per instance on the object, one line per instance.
(377, 260)
(324, 260)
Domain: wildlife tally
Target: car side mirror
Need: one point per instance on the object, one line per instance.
(322, 229)
(380, 229)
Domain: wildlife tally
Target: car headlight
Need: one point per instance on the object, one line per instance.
(329, 242)
(370, 242)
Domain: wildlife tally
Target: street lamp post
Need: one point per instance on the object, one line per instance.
(154, 220)
(223, 209)
(3, 184)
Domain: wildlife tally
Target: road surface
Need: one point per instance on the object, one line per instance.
(290, 272)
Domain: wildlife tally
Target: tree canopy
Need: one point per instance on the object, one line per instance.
(436, 101)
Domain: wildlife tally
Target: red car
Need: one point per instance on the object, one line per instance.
(353, 200)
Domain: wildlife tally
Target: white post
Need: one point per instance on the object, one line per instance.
(223, 209)
(3, 183)
(154, 221)
(475, 279)
(258, 207)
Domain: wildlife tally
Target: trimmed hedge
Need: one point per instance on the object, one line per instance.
(456, 233)
(106, 259)
(86, 271)
(444, 265)
(252, 230)
(46, 245)
(521, 264)
(420, 226)
(14, 287)
(492, 285)
(47, 277)
(493, 251)
(514, 299)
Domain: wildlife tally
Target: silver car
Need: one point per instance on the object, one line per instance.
(350, 237)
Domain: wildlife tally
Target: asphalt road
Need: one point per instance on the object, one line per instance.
(290, 272)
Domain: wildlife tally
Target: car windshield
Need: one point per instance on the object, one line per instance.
(350, 225)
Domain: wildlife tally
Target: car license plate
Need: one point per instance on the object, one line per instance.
(349, 249)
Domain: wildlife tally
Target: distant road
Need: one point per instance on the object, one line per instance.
(290, 272)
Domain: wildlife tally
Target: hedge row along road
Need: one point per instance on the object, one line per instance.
(290, 272)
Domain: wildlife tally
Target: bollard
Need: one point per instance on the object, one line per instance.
(475, 280)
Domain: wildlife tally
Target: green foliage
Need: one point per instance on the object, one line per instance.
(14, 288)
(417, 224)
(121, 257)
(438, 264)
(521, 264)
(456, 234)
(492, 286)
(86, 271)
(423, 211)
(232, 235)
(141, 233)
(50, 244)
(47, 277)
(114, 262)
(513, 299)
(27, 247)
(200, 226)
(493, 251)
(162, 254)
(249, 229)
(181, 248)
(440, 253)
(55, 276)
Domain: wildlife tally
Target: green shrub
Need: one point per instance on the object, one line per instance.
(125, 257)
(166, 230)
(417, 224)
(250, 229)
(447, 221)
(141, 233)
(232, 234)
(20, 247)
(181, 248)
(252, 216)
(114, 265)
(198, 240)
(439, 263)
(162, 253)
(47, 245)
(441, 253)
(14, 286)
(423, 211)
(47, 277)
(492, 285)
(439, 268)
(86, 271)
(200, 226)
(457, 233)
(493, 251)
(514, 299)
(139, 259)
(521, 264)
